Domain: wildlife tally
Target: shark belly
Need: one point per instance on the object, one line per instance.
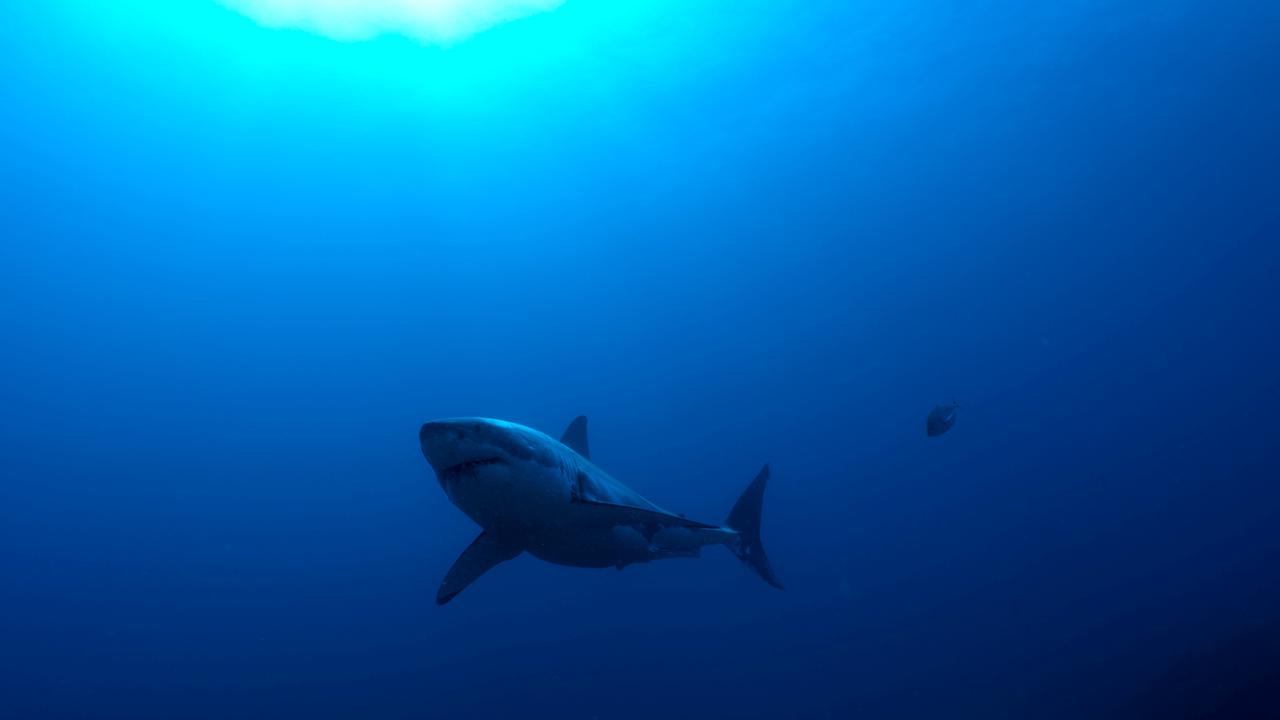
(513, 505)
(596, 546)
(592, 547)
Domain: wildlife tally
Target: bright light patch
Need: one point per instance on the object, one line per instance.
(436, 21)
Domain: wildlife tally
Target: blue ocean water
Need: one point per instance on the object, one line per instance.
(240, 265)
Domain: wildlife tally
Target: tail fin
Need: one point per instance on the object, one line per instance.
(745, 519)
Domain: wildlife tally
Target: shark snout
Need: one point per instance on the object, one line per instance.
(450, 445)
(441, 442)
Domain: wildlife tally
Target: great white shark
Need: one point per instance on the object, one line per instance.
(532, 493)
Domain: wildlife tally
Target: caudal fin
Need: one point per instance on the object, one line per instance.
(745, 519)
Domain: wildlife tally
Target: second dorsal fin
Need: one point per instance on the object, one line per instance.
(575, 436)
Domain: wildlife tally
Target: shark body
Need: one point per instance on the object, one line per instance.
(532, 493)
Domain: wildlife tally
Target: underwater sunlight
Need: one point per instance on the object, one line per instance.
(433, 21)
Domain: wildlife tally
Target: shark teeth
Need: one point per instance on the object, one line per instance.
(471, 465)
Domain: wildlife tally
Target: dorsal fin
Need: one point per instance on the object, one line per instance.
(575, 436)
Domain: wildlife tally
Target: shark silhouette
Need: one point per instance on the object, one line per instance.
(532, 493)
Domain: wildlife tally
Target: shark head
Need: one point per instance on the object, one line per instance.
(491, 469)
(457, 448)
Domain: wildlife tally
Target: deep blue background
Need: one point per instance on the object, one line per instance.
(234, 281)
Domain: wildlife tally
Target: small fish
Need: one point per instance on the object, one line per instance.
(940, 419)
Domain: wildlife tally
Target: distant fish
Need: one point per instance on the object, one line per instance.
(941, 419)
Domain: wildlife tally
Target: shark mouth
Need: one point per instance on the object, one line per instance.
(470, 466)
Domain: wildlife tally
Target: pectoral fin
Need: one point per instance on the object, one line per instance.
(484, 553)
